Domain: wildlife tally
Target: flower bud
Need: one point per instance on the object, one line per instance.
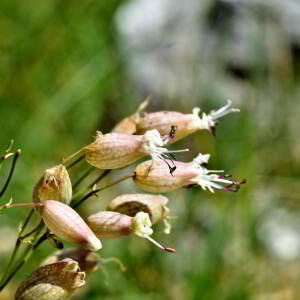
(185, 124)
(110, 225)
(55, 184)
(128, 125)
(117, 150)
(66, 223)
(56, 281)
(154, 205)
(87, 260)
(155, 176)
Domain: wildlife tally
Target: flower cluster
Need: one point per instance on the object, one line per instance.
(135, 137)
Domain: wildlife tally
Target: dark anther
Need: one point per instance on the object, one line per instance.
(172, 169)
(169, 156)
(231, 188)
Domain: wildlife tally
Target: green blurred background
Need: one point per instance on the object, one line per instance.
(69, 68)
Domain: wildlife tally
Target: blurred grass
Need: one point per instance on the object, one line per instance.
(64, 76)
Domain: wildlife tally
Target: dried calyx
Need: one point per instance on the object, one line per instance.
(87, 260)
(55, 184)
(56, 281)
(154, 205)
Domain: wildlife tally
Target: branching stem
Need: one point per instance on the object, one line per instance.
(16, 156)
(94, 192)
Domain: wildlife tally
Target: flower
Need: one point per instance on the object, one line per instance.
(86, 259)
(110, 225)
(154, 205)
(141, 226)
(117, 150)
(166, 121)
(55, 184)
(128, 125)
(66, 223)
(56, 281)
(155, 176)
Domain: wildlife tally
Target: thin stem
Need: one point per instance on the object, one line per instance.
(7, 152)
(87, 196)
(91, 185)
(26, 222)
(27, 254)
(16, 156)
(32, 231)
(115, 260)
(17, 245)
(41, 240)
(99, 178)
(80, 179)
(10, 205)
(75, 162)
(167, 249)
(90, 194)
(65, 160)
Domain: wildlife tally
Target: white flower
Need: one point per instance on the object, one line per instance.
(152, 145)
(209, 121)
(141, 226)
(209, 181)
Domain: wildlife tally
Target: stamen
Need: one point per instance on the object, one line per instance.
(167, 249)
(211, 181)
(210, 121)
(201, 159)
(223, 111)
(166, 157)
(152, 142)
(167, 225)
(141, 226)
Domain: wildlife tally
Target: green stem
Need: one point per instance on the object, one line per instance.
(80, 179)
(16, 156)
(99, 178)
(75, 162)
(70, 158)
(90, 194)
(21, 238)
(26, 255)
(8, 205)
(17, 245)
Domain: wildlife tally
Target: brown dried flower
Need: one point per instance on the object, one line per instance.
(154, 205)
(55, 184)
(56, 281)
(87, 260)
